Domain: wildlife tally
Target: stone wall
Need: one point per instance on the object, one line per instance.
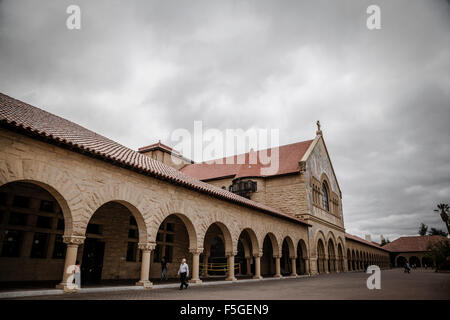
(81, 185)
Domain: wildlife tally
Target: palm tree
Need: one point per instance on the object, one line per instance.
(444, 208)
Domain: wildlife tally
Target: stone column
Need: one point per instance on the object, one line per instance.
(205, 265)
(277, 267)
(325, 264)
(294, 267)
(195, 265)
(230, 257)
(147, 249)
(249, 265)
(257, 257)
(307, 268)
(72, 243)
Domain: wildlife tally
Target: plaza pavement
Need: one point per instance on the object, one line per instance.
(395, 284)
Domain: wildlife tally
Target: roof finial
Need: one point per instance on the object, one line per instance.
(318, 132)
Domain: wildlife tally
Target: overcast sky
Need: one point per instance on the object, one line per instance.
(138, 70)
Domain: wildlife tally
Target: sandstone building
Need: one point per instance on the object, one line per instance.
(68, 194)
(414, 250)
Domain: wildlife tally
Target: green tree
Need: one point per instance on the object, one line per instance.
(423, 229)
(440, 253)
(384, 241)
(444, 209)
(437, 232)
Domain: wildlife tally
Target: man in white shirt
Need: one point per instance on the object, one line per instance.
(183, 272)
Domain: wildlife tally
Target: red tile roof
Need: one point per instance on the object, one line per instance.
(364, 241)
(22, 117)
(289, 158)
(413, 244)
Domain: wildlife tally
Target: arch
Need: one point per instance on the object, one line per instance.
(340, 258)
(291, 246)
(349, 260)
(60, 199)
(190, 227)
(302, 257)
(325, 196)
(427, 262)
(253, 239)
(319, 235)
(287, 253)
(353, 259)
(227, 238)
(142, 226)
(331, 255)
(33, 224)
(274, 242)
(414, 261)
(325, 188)
(320, 256)
(401, 261)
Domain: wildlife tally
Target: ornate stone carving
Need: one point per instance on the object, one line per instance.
(73, 240)
(148, 246)
(196, 251)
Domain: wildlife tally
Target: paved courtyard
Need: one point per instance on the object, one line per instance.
(419, 284)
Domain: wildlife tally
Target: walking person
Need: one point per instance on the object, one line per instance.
(163, 269)
(407, 268)
(183, 272)
(77, 274)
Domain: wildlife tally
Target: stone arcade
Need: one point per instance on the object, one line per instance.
(68, 194)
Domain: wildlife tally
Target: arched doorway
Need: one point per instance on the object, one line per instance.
(247, 246)
(340, 259)
(349, 260)
(110, 253)
(287, 253)
(401, 261)
(427, 262)
(217, 245)
(32, 225)
(320, 256)
(414, 262)
(174, 238)
(353, 260)
(302, 258)
(270, 250)
(331, 256)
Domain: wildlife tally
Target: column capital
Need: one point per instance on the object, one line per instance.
(196, 251)
(230, 253)
(73, 240)
(147, 246)
(258, 255)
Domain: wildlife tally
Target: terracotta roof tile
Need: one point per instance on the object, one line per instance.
(413, 244)
(39, 123)
(289, 158)
(364, 241)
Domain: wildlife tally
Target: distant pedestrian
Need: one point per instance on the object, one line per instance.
(407, 268)
(77, 274)
(183, 272)
(164, 268)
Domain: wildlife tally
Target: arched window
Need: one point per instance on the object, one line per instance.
(325, 203)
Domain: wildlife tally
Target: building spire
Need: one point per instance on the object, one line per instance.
(318, 132)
